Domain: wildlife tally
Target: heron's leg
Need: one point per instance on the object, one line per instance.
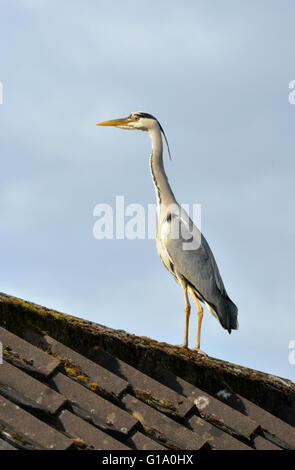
(200, 313)
(187, 312)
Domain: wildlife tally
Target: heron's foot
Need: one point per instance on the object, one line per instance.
(183, 345)
(198, 350)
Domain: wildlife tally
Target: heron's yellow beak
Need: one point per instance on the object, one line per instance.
(115, 122)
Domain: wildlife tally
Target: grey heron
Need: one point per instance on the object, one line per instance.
(195, 269)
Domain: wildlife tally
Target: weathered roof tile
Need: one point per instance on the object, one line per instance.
(106, 389)
(142, 442)
(22, 389)
(5, 446)
(145, 387)
(79, 429)
(30, 429)
(222, 415)
(94, 408)
(162, 427)
(263, 444)
(80, 366)
(209, 407)
(27, 356)
(217, 438)
(268, 422)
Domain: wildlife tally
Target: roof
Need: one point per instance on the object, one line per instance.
(68, 383)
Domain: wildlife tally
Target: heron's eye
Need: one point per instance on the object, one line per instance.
(136, 118)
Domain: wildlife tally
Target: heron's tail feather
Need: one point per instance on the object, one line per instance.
(228, 314)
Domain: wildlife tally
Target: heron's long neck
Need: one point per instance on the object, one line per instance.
(163, 190)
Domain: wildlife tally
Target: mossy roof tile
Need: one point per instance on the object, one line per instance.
(68, 383)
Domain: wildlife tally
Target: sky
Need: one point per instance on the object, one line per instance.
(216, 75)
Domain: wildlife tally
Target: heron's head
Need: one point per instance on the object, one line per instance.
(137, 120)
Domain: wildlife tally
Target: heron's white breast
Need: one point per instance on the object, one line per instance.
(162, 234)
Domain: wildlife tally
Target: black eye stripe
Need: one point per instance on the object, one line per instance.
(146, 115)
(150, 116)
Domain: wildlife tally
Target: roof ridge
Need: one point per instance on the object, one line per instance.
(145, 366)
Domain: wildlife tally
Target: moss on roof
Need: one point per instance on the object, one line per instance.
(211, 374)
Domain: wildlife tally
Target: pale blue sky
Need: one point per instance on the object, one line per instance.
(216, 75)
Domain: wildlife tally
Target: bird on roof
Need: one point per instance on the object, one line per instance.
(181, 246)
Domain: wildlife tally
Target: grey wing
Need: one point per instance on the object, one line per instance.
(198, 266)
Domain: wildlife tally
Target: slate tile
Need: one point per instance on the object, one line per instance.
(217, 438)
(88, 371)
(23, 389)
(163, 427)
(268, 422)
(5, 445)
(142, 442)
(27, 356)
(210, 407)
(93, 407)
(145, 387)
(77, 428)
(30, 428)
(263, 444)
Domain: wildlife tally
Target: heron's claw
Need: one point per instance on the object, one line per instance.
(198, 350)
(184, 346)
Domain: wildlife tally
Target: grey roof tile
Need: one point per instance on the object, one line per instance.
(268, 422)
(93, 407)
(145, 387)
(94, 438)
(142, 442)
(217, 438)
(210, 407)
(6, 446)
(31, 429)
(80, 366)
(27, 356)
(23, 389)
(107, 389)
(263, 444)
(222, 415)
(162, 427)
